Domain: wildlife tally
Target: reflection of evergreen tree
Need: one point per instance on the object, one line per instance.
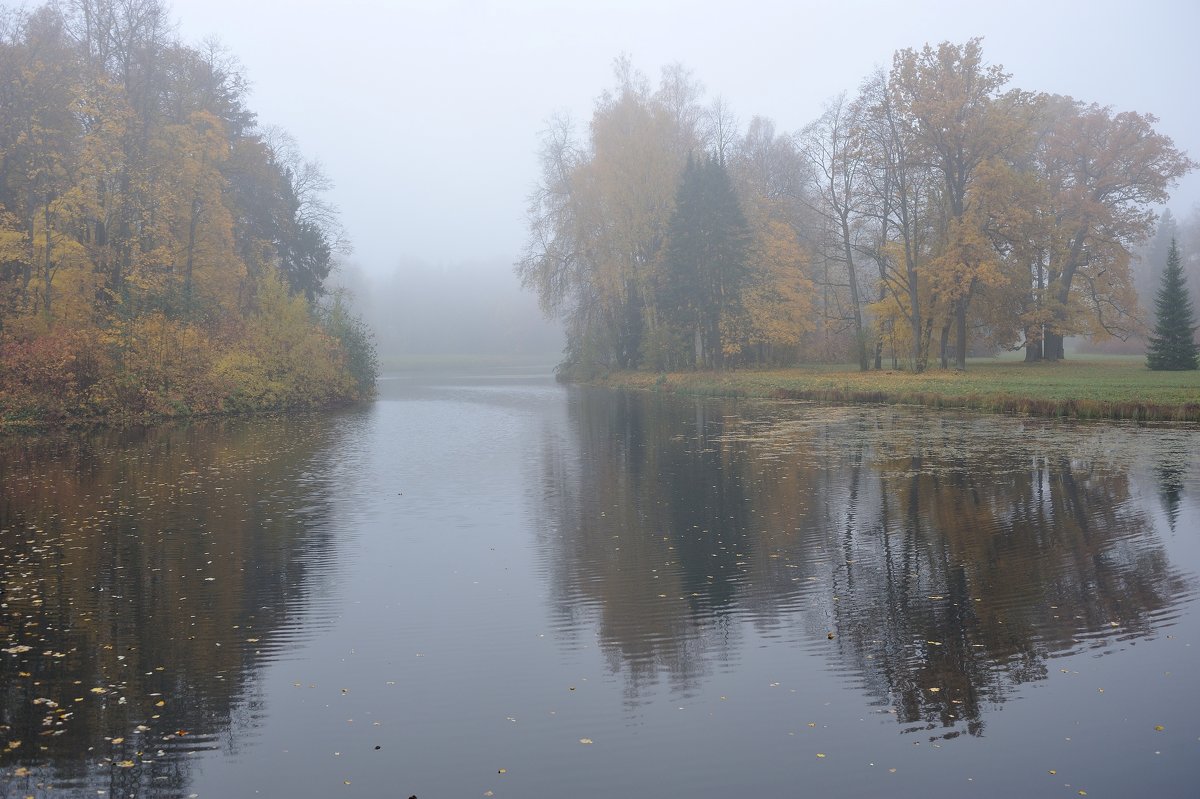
(1170, 472)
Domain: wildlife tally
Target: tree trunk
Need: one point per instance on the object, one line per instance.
(960, 344)
(1033, 347)
(48, 266)
(1053, 347)
(191, 250)
(860, 339)
(944, 345)
(918, 359)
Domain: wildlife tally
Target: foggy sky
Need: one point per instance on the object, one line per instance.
(426, 113)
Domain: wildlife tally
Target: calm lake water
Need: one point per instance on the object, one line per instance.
(491, 585)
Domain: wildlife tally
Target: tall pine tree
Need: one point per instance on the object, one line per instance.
(1172, 346)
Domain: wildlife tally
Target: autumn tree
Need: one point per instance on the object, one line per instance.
(1103, 171)
(599, 215)
(1173, 345)
(141, 212)
(964, 125)
(830, 144)
(901, 209)
(770, 176)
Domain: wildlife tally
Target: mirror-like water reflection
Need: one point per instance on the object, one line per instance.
(492, 583)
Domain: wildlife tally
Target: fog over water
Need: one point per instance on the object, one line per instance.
(426, 115)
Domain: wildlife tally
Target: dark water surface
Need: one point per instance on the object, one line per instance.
(495, 586)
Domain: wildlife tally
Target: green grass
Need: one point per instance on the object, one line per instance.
(1110, 387)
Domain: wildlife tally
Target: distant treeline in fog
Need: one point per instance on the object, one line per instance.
(465, 309)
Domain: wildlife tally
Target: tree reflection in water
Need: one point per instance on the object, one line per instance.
(146, 577)
(950, 557)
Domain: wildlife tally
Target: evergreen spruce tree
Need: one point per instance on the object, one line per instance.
(1172, 346)
(706, 260)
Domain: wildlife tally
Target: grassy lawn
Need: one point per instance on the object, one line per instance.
(1110, 387)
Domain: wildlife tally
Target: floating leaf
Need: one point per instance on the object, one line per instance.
(585, 740)
(1159, 728)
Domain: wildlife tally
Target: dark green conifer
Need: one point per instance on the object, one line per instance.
(1172, 347)
(706, 259)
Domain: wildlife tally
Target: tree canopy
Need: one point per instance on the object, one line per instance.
(145, 219)
(937, 212)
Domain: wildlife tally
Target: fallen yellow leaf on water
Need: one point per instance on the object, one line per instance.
(125, 764)
(1052, 771)
(118, 740)
(585, 740)
(934, 690)
(21, 772)
(502, 771)
(820, 754)
(160, 703)
(1159, 728)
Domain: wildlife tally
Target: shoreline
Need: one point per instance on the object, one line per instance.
(10, 427)
(1087, 389)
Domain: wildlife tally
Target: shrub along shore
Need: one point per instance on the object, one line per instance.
(1082, 389)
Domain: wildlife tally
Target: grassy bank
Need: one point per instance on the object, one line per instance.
(1090, 388)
